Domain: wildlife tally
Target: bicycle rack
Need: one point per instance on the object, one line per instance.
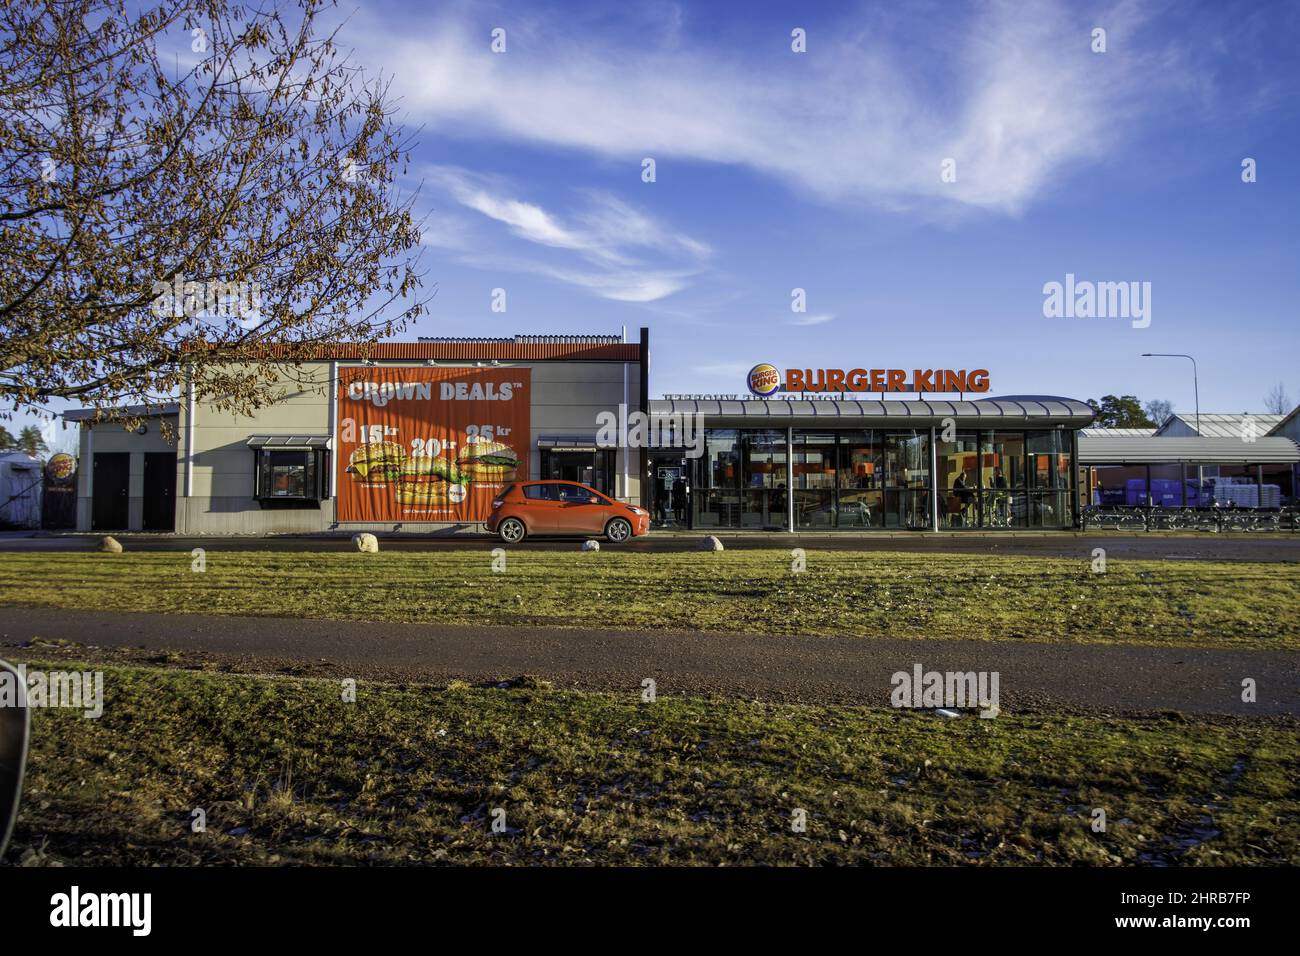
(1115, 518)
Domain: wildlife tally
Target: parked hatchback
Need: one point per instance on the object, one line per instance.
(562, 507)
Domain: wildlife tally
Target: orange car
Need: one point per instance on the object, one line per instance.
(562, 507)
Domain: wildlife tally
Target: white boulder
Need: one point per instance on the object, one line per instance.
(366, 543)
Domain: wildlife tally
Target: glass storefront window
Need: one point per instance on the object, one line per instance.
(764, 479)
(814, 508)
(716, 508)
(741, 481)
(1047, 472)
(859, 460)
(861, 509)
(715, 495)
(1049, 509)
(1047, 459)
(905, 457)
(1002, 508)
(814, 475)
(841, 479)
(814, 460)
(1002, 480)
(1002, 460)
(721, 458)
(909, 510)
(866, 478)
(764, 459)
(861, 502)
(957, 462)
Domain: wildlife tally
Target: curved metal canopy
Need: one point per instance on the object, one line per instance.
(1040, 411)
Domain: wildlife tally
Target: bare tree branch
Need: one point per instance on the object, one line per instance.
(158, 229)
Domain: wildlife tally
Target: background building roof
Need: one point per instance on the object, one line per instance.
(1095, 431)
(519, 348)
(1159, 449)
(1285, 420)
(1219, 424)
(121, 411)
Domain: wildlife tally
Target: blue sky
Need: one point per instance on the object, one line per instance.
(777, 170)
(821, 170)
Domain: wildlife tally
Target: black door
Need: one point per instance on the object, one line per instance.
(111, 475)
(592, 468)
(159, 491)
(662, 469)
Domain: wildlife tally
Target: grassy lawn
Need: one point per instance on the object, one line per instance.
(288, 773)
(841, 594)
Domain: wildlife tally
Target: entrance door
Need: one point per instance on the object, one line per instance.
(593, 468)
(159, 491)
(109, 504)
(663, 469)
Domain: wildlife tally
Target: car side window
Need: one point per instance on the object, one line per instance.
(539, 492)
(574, 495)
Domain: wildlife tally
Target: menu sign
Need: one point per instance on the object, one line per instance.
(428, 444)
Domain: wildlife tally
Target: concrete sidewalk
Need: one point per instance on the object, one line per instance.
(848, 670)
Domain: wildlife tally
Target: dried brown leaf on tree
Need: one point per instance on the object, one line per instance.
(162, 223)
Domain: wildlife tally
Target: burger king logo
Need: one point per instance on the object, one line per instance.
(764, 380)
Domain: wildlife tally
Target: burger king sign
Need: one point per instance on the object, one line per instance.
(764, 380)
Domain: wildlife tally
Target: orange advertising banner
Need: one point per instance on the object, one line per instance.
(428, 444)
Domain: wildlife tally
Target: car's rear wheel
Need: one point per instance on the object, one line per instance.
(512, 531)
(618, 530)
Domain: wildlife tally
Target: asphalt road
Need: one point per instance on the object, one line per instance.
(1033, 677)
(1274, 547)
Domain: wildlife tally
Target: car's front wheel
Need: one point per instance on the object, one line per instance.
(618, 530)
(512, 531)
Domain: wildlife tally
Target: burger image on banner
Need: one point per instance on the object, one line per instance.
(487, 461)
(377, 462)
(428, 481)
(413, 441)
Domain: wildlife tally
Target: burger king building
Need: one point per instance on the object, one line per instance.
(420, 436)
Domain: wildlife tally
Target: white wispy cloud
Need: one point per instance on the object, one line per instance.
(524, 219)
(618, 252)
(814, 319)
(1009, 90)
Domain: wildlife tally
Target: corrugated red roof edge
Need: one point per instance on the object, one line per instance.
(451, 351)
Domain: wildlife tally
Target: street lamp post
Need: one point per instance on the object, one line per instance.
(1196, 388)
(1196, 394)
